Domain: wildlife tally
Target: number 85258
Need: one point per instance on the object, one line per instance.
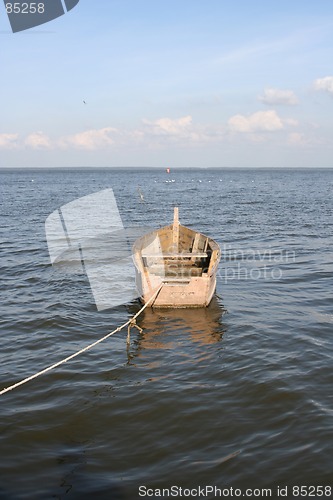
(25, 8)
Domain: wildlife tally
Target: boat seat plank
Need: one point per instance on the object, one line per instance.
(176, 280)
(189, 255)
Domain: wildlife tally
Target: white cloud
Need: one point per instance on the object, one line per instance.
(8, 141)
(90, 139)
(261, 121)
(306, 140)
(38, 140)
(276, 97)
(291, 122)
(296, 139)
(168, 126)
(325, 84)
(155, 134)
(179, 130)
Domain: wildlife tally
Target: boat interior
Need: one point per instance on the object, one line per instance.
(177, 252)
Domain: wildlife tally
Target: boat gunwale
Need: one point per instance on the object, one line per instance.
(138, 248)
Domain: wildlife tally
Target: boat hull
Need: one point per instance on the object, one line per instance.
(181, 262)
(198, 292)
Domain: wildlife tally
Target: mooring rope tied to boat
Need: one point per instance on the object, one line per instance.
(129, 323)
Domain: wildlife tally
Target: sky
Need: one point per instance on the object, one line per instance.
(170, 83)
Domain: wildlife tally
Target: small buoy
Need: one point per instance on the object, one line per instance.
(168, 170)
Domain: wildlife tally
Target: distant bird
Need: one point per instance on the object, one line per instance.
(140, 194)
(84, 102)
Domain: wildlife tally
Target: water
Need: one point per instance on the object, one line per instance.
(251, 374)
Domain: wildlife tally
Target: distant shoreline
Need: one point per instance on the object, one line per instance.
(8, 169)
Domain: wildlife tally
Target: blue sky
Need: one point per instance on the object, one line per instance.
(170, 83)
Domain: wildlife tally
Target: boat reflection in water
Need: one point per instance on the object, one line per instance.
(163, 328)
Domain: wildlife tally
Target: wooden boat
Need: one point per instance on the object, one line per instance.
(181, 261)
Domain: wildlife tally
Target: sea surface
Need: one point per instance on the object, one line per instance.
(238, 396)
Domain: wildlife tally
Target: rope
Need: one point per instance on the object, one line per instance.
(129, 322)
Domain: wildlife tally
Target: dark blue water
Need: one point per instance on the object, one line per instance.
(251, 374)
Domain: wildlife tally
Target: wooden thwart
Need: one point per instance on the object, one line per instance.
(172, 255)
